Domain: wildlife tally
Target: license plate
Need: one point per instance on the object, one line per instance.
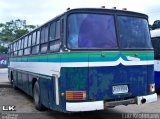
(120, 89)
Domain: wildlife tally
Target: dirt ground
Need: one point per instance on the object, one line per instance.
(25, 109)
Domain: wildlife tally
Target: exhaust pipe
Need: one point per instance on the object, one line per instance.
(143, 101)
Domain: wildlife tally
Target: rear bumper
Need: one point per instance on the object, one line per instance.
(147, 98)
(99, 105)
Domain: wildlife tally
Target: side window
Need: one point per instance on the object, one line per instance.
(54, 37)
(35, 49)
(29, 40)
(52, 31)
(35, 42)
(44, 39)
(38, 37)
(44, 34)
(34, 38)
(14, 46)
(25, 41)
(22, 43)
(19, 46)
(57, 35)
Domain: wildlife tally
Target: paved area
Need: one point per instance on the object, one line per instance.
(25, 108)
(4, 82)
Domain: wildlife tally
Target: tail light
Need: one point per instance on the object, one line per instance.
(75, 95)
(152, 87)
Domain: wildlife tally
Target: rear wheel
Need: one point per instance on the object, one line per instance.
(13, 82)
(36, 95)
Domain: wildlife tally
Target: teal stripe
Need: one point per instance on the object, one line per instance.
(81, 57)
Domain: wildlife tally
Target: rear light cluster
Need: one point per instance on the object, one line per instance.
(75, 95)
(152, 87)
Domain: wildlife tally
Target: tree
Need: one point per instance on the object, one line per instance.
(3, 49)
(14, 29)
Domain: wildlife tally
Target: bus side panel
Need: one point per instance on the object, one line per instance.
(24, 79)
(52, 95)
(44, 84)
(30, 79)
(72, 79)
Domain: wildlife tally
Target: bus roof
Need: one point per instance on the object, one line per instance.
(155, 33)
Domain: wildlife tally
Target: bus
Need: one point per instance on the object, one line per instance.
(86, 59)
(155, 36)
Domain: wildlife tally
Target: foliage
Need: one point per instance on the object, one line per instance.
(3, 49)
(14, 29)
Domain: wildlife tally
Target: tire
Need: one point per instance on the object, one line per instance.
(13, 82)
(36, 96)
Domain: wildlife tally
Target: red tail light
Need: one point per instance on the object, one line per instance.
(75, 95)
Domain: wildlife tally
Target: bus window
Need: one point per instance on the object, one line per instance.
(22, 43)
(80, 35)
(19, 47)
(44, 39)
(35, 49)
(34, 38)
(54, 46)
(44, 48)
(57, 35)
(134, 33)
(52, 31)
(38, 37)
(25, 41)
(27, 51)
(29, 40)
(44, 34)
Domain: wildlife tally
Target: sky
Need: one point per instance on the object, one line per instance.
(37, 12)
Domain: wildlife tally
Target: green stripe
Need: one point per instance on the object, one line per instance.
(83, 57)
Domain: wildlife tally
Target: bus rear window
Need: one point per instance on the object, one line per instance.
(91, 31)
(134, 33)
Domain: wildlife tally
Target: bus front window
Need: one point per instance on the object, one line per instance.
(134, 33)
(91, 31)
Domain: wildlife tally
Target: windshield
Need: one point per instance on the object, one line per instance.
(91, 31)
(134, 33)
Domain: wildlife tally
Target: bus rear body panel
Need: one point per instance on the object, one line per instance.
(106, 70)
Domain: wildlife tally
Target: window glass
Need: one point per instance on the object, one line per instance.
(52, 32)
(35, 49)
(29, 40)
(10, 48)
(54, 46)
(27, 51)
(20, 52)
(91, 31)
(19, 46)
(134, 33)
(34, 38)
(14, 46)
(38, 37)
(57, 30)
(15, 53)
(44, 34)
(44, 47)
(22, 44)
(25, 41)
